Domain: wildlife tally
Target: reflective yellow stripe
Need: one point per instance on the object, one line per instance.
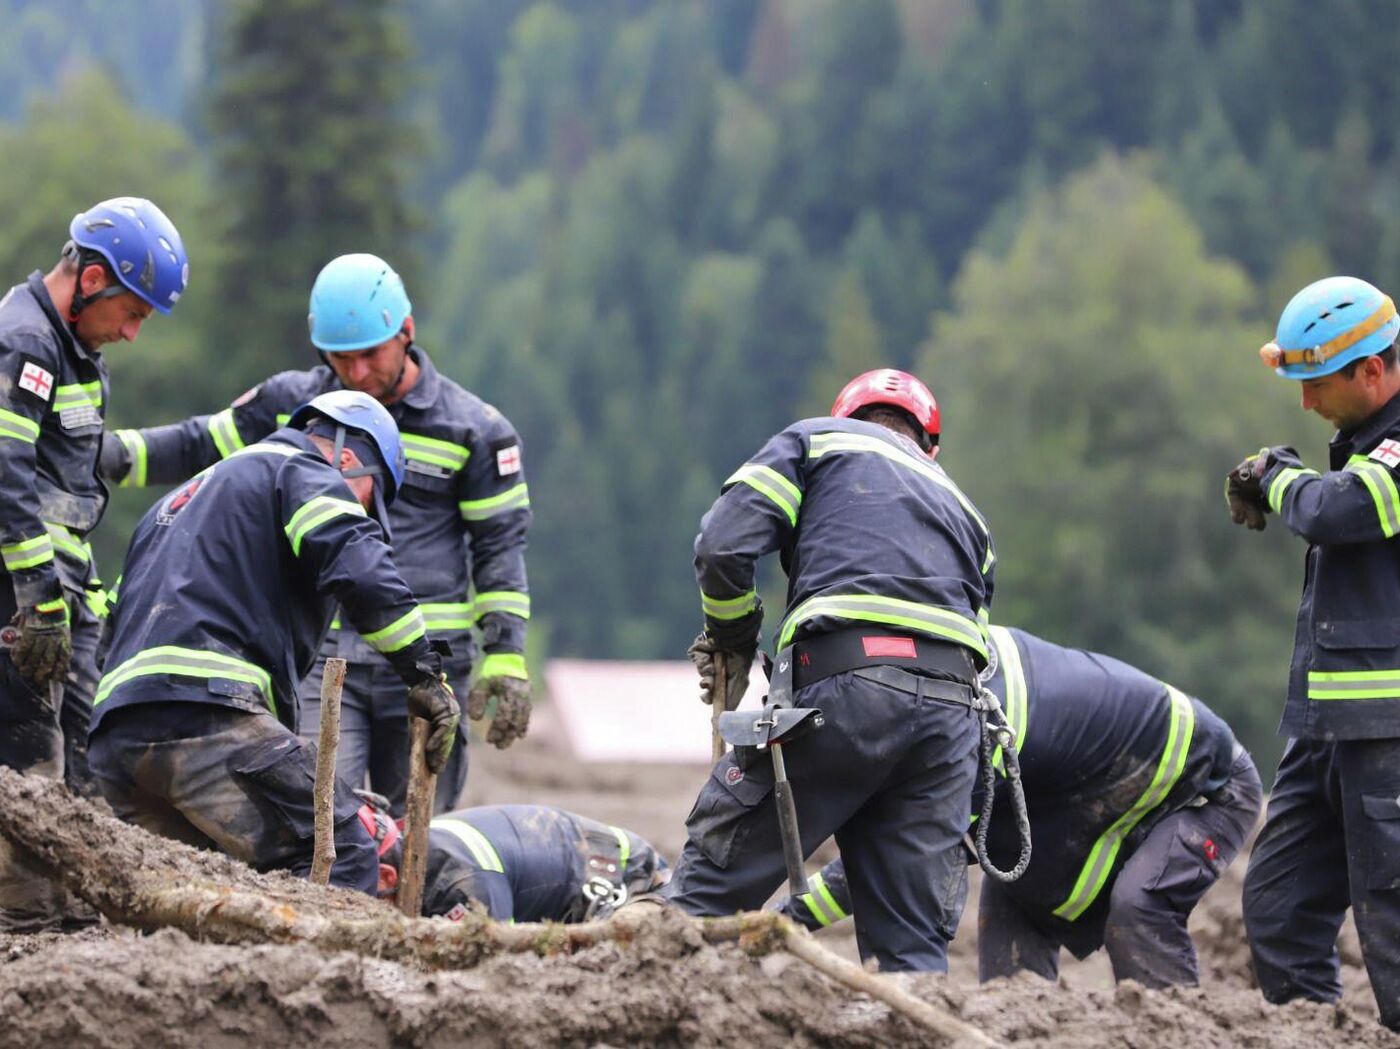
(28, 553)
(477, 844)
(624, 849)
(186, 662)
(69, 543)
(517, 604)
(225, 433)
(825, 443)
(821, 903)
(136, 448)
(729, 607)
(767, 481)
(78, 395)
(444, 615)
(870, 608)
(1381, 484)
(1354, 684)
(504, 664)
(19, 428)
(1094, 874)
(434, 451)
(1279, 486)
(516, 498)
(1015, 704)
(401, 633)
(315, 512)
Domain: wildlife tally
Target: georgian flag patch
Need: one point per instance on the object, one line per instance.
(1387, 452)
(508, 460)
(37, 380)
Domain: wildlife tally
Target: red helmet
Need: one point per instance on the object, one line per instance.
(892, 387)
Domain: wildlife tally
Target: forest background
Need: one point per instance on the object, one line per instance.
(654, 232)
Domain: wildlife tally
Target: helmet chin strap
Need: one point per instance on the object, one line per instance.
(381, 511)
(83, 258)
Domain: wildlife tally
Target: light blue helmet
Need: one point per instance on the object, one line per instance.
(1329, 324)
(358, 301)
(362, 413)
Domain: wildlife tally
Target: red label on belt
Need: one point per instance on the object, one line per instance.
(899, 647)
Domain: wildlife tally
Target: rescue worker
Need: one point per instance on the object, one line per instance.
(523, 863)
(123, 259)
(889, 578)
(1139, 798)
(228, 590)
(1331, 838)
(460, 521)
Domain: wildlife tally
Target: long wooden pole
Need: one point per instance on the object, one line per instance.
(332, 681)
(422, 785)
(717, 708)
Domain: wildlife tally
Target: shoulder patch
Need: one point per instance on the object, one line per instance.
(35, 379)
(507, 456)
(246, 396)
(1387, 452)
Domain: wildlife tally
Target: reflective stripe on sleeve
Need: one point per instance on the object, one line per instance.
(27, 553)
(186, 662)
(443, 615)
(1353, 684)
(767, 481)
(225, 433)
(136, 449)
(870, 608)
(69, 543)
(17, 427)
(624, 850)
(511, 601)
(1094, 874)
(477, 844)
(729, 607)
(316, 512)
(512, 499)
(1380, 482)
(1282, 481)
(1015, 703)
(401, 633)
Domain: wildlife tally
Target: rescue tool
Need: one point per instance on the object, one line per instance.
(777, 724)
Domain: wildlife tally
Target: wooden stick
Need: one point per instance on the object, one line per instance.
(422, 785)
(332, 681)
(717, 707)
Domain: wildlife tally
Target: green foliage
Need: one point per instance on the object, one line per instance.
(311, 150)
(1097, 381)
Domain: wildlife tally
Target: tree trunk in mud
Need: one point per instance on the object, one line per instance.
(135, 879)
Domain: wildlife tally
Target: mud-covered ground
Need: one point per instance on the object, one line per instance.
(110, 986)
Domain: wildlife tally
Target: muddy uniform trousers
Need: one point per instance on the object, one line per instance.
(33, 740)
(374, 731)
(1331, 841)
(1149, 899)
(890, 775)
(221, 778)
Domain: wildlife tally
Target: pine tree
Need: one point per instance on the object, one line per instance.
(312, 158)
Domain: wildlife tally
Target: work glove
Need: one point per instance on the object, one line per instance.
(44, 647)
(114, 458)
(433, 701)
(1244, 491)
(503, 678)
(706, 654)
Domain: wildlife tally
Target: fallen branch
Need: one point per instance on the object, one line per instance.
(103, 861)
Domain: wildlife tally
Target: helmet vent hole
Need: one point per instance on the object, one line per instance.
(1313, 324)
(1342, 305)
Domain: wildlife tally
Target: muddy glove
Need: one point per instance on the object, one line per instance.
(44, 647)
(503, 678)
(432, 700)
(705, 653)
(1244, 492)
(114, 460)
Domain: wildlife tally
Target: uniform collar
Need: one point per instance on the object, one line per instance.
(40, 291)
(425, 390)
(1366, 436)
